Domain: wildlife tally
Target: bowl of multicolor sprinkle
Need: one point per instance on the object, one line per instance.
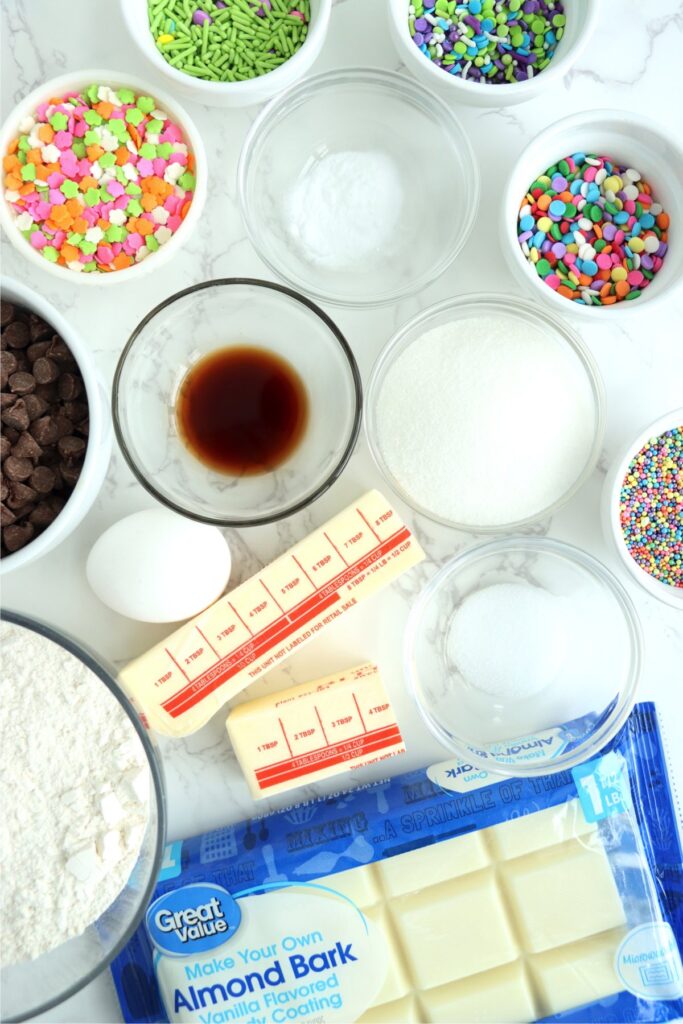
(104, 177)
(591, 214)
(229, 53)
(490, 53)
(642, 507)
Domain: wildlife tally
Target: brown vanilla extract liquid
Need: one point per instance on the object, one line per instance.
(242, 410)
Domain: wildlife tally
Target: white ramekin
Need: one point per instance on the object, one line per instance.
(581, 18)
(610, 508)
(116, 79)
(230, 94)
(97, 453)
(628, 139)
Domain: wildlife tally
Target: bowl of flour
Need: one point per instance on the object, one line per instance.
(81, 834)
(485, 414)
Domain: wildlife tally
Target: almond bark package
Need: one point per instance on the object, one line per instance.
(443, 894)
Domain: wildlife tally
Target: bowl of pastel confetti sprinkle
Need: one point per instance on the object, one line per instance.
(103, 177)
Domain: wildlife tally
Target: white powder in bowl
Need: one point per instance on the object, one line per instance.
(75, 786)
(486, 420)
(344, 207)
(509, 640)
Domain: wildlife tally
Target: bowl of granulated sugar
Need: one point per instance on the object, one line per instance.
(484, 414)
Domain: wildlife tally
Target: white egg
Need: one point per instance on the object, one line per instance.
(156, 566)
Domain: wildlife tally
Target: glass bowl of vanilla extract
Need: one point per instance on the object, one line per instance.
(237, 402)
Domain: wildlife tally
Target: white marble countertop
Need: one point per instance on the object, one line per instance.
(633, 64)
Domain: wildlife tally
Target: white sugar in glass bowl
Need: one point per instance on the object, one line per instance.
(98, 451)
(586, 698)
(629, 140)
(611, 521)
(582, 16)
(385, 120)
(229, 94)
(77, 80)
(569, 357)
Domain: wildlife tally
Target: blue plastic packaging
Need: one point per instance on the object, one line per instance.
(625, 795)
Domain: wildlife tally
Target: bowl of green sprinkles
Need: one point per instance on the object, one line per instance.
(229, 53)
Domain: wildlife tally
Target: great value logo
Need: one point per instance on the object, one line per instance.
(193, 919)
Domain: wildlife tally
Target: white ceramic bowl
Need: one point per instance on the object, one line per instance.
(230, 94)
(629, 139)
(610, 508)
(99, 439)
(115, 79)
(581, 18)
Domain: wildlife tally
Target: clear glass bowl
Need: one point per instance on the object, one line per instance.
(215, 315)
(462, 308)
(31, 988)
(584, 703)
(361, 109)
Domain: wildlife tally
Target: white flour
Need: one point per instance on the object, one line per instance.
(485, 421)
(75, 795)
(344, 208)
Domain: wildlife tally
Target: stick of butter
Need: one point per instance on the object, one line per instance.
(313, 731)
(182, 681)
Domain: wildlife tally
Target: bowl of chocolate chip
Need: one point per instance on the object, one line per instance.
(56, 435)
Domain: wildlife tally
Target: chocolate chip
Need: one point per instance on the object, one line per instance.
(44, 430)
(63, 424)
(70, 473)
(43, 479)
(5, 447)
(44, 514)
(69, 387)
(4, 489)
(7, 313)
(75, 411)
(83, 428)
(8, 364)
(60, 352)
(71, 448)
(45, 371)
(16, 468)
(15, 537)
(36, 350)
(27, 448)
(11, 434)
(22, 383)
(35, 405)
(40, 330)
(6, 400)
(7, 517)
(17, 334)
(16, 415)
(20, 495)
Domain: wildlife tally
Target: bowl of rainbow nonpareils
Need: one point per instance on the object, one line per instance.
(104, 177)
(642, 508)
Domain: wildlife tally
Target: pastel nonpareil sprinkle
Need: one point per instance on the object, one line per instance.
(98, 179)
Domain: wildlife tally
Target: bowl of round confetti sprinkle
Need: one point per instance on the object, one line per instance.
(229, 53)
(103, 177)
(643, 508)
(490, 53)
(588, 212)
